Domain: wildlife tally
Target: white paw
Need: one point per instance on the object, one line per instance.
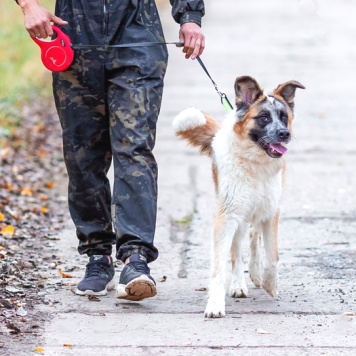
(270, 281)
(256, 269)
(215, 308)
(238, 292)
(256, 275)
(256, 280)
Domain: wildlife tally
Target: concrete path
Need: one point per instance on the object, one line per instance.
(273, 41)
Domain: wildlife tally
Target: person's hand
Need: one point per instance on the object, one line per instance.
(38, 20)
(194, 41)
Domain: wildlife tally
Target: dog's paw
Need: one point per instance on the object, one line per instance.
(270, 281)
(256, 270)
(256, 275)
(256, 280)
(238, 292)
(214, 313)
(215, 309)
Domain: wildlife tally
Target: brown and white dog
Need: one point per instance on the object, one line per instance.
(248, 167)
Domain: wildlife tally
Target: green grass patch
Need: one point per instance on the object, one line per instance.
(23, 76)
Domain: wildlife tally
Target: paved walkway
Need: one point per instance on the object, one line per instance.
(273, 41)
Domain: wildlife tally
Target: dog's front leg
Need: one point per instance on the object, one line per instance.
(238, 287)
(270, 239)
(222, 236)
(255, 266)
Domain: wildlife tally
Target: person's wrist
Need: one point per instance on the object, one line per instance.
(24, 3)
(191, 16)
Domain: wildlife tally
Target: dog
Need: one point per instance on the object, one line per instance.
(248, 168)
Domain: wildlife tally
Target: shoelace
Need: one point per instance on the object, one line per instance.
(95, 269)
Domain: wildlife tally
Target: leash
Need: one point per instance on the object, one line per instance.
(57, 55)
(224, 100)
(127, 45)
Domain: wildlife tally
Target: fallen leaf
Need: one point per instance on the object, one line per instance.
(26, 191)
(63, 274)
(43, 197)
(8, 230)
(93, 298)
(8, 187)
(13, 213)
(350, 313)
(6, 304)
(2, 217)
(14, 329)
(163, 279)
(12, 289)
(44, 210)
(21, 311)
(68, 345)
(49, 185)
(39, 349)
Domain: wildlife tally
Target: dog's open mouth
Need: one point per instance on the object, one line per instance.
(272, 148)
(275, 150)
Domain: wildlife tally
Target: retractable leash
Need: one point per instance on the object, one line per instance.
(224, 100)
(58, 54)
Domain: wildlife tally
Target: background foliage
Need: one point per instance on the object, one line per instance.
(22, 75)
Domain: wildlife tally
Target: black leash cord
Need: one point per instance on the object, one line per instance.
(224, 100)
(128, 45)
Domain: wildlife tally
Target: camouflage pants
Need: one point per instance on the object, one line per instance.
(108, 102)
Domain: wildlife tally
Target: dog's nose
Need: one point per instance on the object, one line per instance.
(283, 134)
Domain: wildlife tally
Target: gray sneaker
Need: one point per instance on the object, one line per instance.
(98, 277)
(135, 281)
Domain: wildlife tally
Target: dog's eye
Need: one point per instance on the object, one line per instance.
(264, 119)
(283, 117)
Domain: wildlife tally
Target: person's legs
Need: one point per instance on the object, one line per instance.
(133, 116)
(124, 85)
(135, 77)
(80, 97)
(81, 101)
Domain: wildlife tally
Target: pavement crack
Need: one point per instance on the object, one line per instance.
(180, 229)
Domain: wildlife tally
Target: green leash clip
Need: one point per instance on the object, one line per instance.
(226, 103)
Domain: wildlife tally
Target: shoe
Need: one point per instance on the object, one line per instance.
(98, 277)
(135, 281)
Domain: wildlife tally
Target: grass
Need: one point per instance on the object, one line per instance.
(23, 76)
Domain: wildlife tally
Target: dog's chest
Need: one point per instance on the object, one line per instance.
(250, 193)
(250, 184)
(265, 198)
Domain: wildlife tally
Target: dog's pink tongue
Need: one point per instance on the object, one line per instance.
(279, 148)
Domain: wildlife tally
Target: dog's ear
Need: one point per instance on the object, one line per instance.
(247, 91)
(287, 91)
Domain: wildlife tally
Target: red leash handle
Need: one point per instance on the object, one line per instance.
(56, 55)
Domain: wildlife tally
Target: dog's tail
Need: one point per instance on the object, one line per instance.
(197, 128)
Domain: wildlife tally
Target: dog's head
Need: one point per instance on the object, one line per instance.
(265, 119)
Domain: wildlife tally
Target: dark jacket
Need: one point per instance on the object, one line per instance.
(184, 11)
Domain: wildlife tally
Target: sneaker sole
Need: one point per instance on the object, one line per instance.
(138, 289)
(109, 286)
